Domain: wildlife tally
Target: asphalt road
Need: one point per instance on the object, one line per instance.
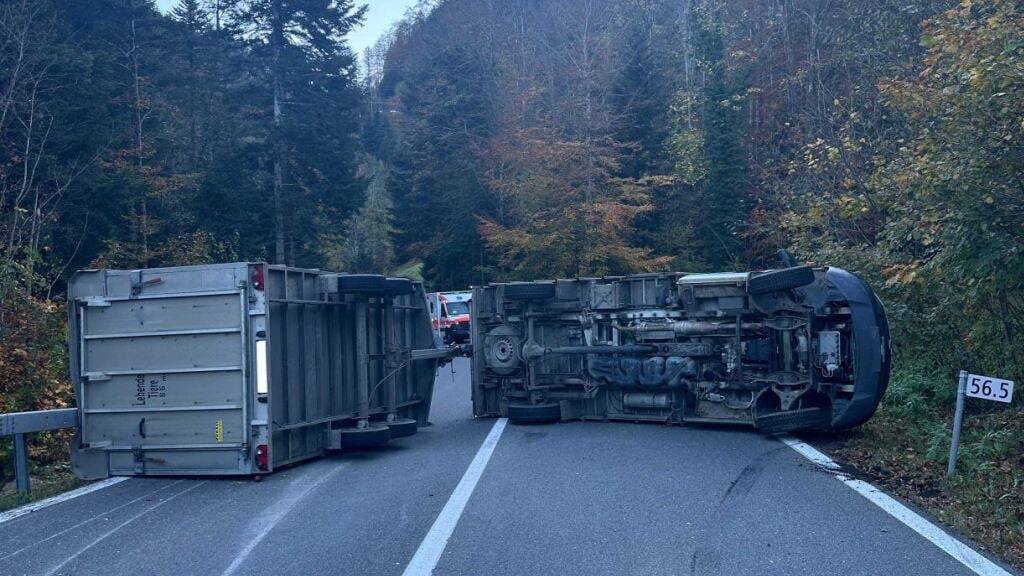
(576, 498)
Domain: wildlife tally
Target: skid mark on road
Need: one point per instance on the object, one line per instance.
(747, 477)
(109, 533)
(89, 520)
(297, 489)
(937, 536)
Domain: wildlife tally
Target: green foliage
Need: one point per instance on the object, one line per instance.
(567, 215)
(367, 246)
(723, 191)
(915, 392)
(441, 97)
(132, 138)
(925, 199)
(953, 187)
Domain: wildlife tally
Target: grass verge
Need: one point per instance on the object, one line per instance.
(905, 447)
(46, 481)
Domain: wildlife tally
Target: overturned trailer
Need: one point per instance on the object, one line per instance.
(242, 368)
(779, 350)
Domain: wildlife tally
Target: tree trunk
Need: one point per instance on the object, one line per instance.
(276, 39)
(143, 215)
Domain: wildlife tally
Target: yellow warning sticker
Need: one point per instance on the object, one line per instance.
(218, 430)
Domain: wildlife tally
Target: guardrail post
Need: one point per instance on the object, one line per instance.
(19, 424)
(21, 478)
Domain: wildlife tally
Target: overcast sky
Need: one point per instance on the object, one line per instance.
(381, 15)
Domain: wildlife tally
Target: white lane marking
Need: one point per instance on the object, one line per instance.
(110, 532)
(433, 545)
(91, 519)
(810, 452)
(961, 552)
(34, 506)
(297, 489)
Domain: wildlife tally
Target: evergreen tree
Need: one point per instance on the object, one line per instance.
(368, 245)
(642, 94)
(310, 110)
(724, 200)
(446, 116)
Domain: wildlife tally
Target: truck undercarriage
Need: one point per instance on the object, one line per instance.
(779, 350)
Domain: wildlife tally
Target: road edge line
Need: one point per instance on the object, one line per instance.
(432, 547)
(946, 542)
(63, 497)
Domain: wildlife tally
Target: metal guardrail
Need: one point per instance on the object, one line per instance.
(19, 424)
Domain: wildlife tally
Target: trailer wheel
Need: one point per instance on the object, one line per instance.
(529, 290)
(402, 427)
(397, 286)
(372, 436)
(361, 284)
(779, 280)
(534, 413)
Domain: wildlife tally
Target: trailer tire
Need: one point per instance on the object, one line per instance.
(529, 291)
(402, 427)
(361, 284)
(397, 286)
(780, 280)
(534, 413)
(372, 436)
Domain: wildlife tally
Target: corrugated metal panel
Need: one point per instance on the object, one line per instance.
(160, 360)
(166, 367)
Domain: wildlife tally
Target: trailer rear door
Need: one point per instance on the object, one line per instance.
(163, 379)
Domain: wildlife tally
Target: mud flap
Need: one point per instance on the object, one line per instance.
(88, 464)
(780, 280)
(791, 421)
(534, 413)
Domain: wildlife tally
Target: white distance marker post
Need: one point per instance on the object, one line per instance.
(975, 386)
(990, 388)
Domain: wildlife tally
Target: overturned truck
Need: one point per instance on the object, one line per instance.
(240, 369)
(780, 350)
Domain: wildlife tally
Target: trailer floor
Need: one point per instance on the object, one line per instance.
(578, 498)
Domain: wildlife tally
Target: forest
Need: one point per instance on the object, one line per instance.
(486, 140)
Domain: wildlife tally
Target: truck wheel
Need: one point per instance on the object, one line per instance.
(779, 280)
(402, 427)
(397, 286)
(361, 284)
(372, 436)
(529, 290)
(534, 413)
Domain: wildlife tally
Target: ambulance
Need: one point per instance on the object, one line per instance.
(450, 314)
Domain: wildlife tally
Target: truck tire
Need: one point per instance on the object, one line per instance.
(529, 291)
(372, 436)
(397, 286)
(534, 413)
(361, 284)
(779, 280)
